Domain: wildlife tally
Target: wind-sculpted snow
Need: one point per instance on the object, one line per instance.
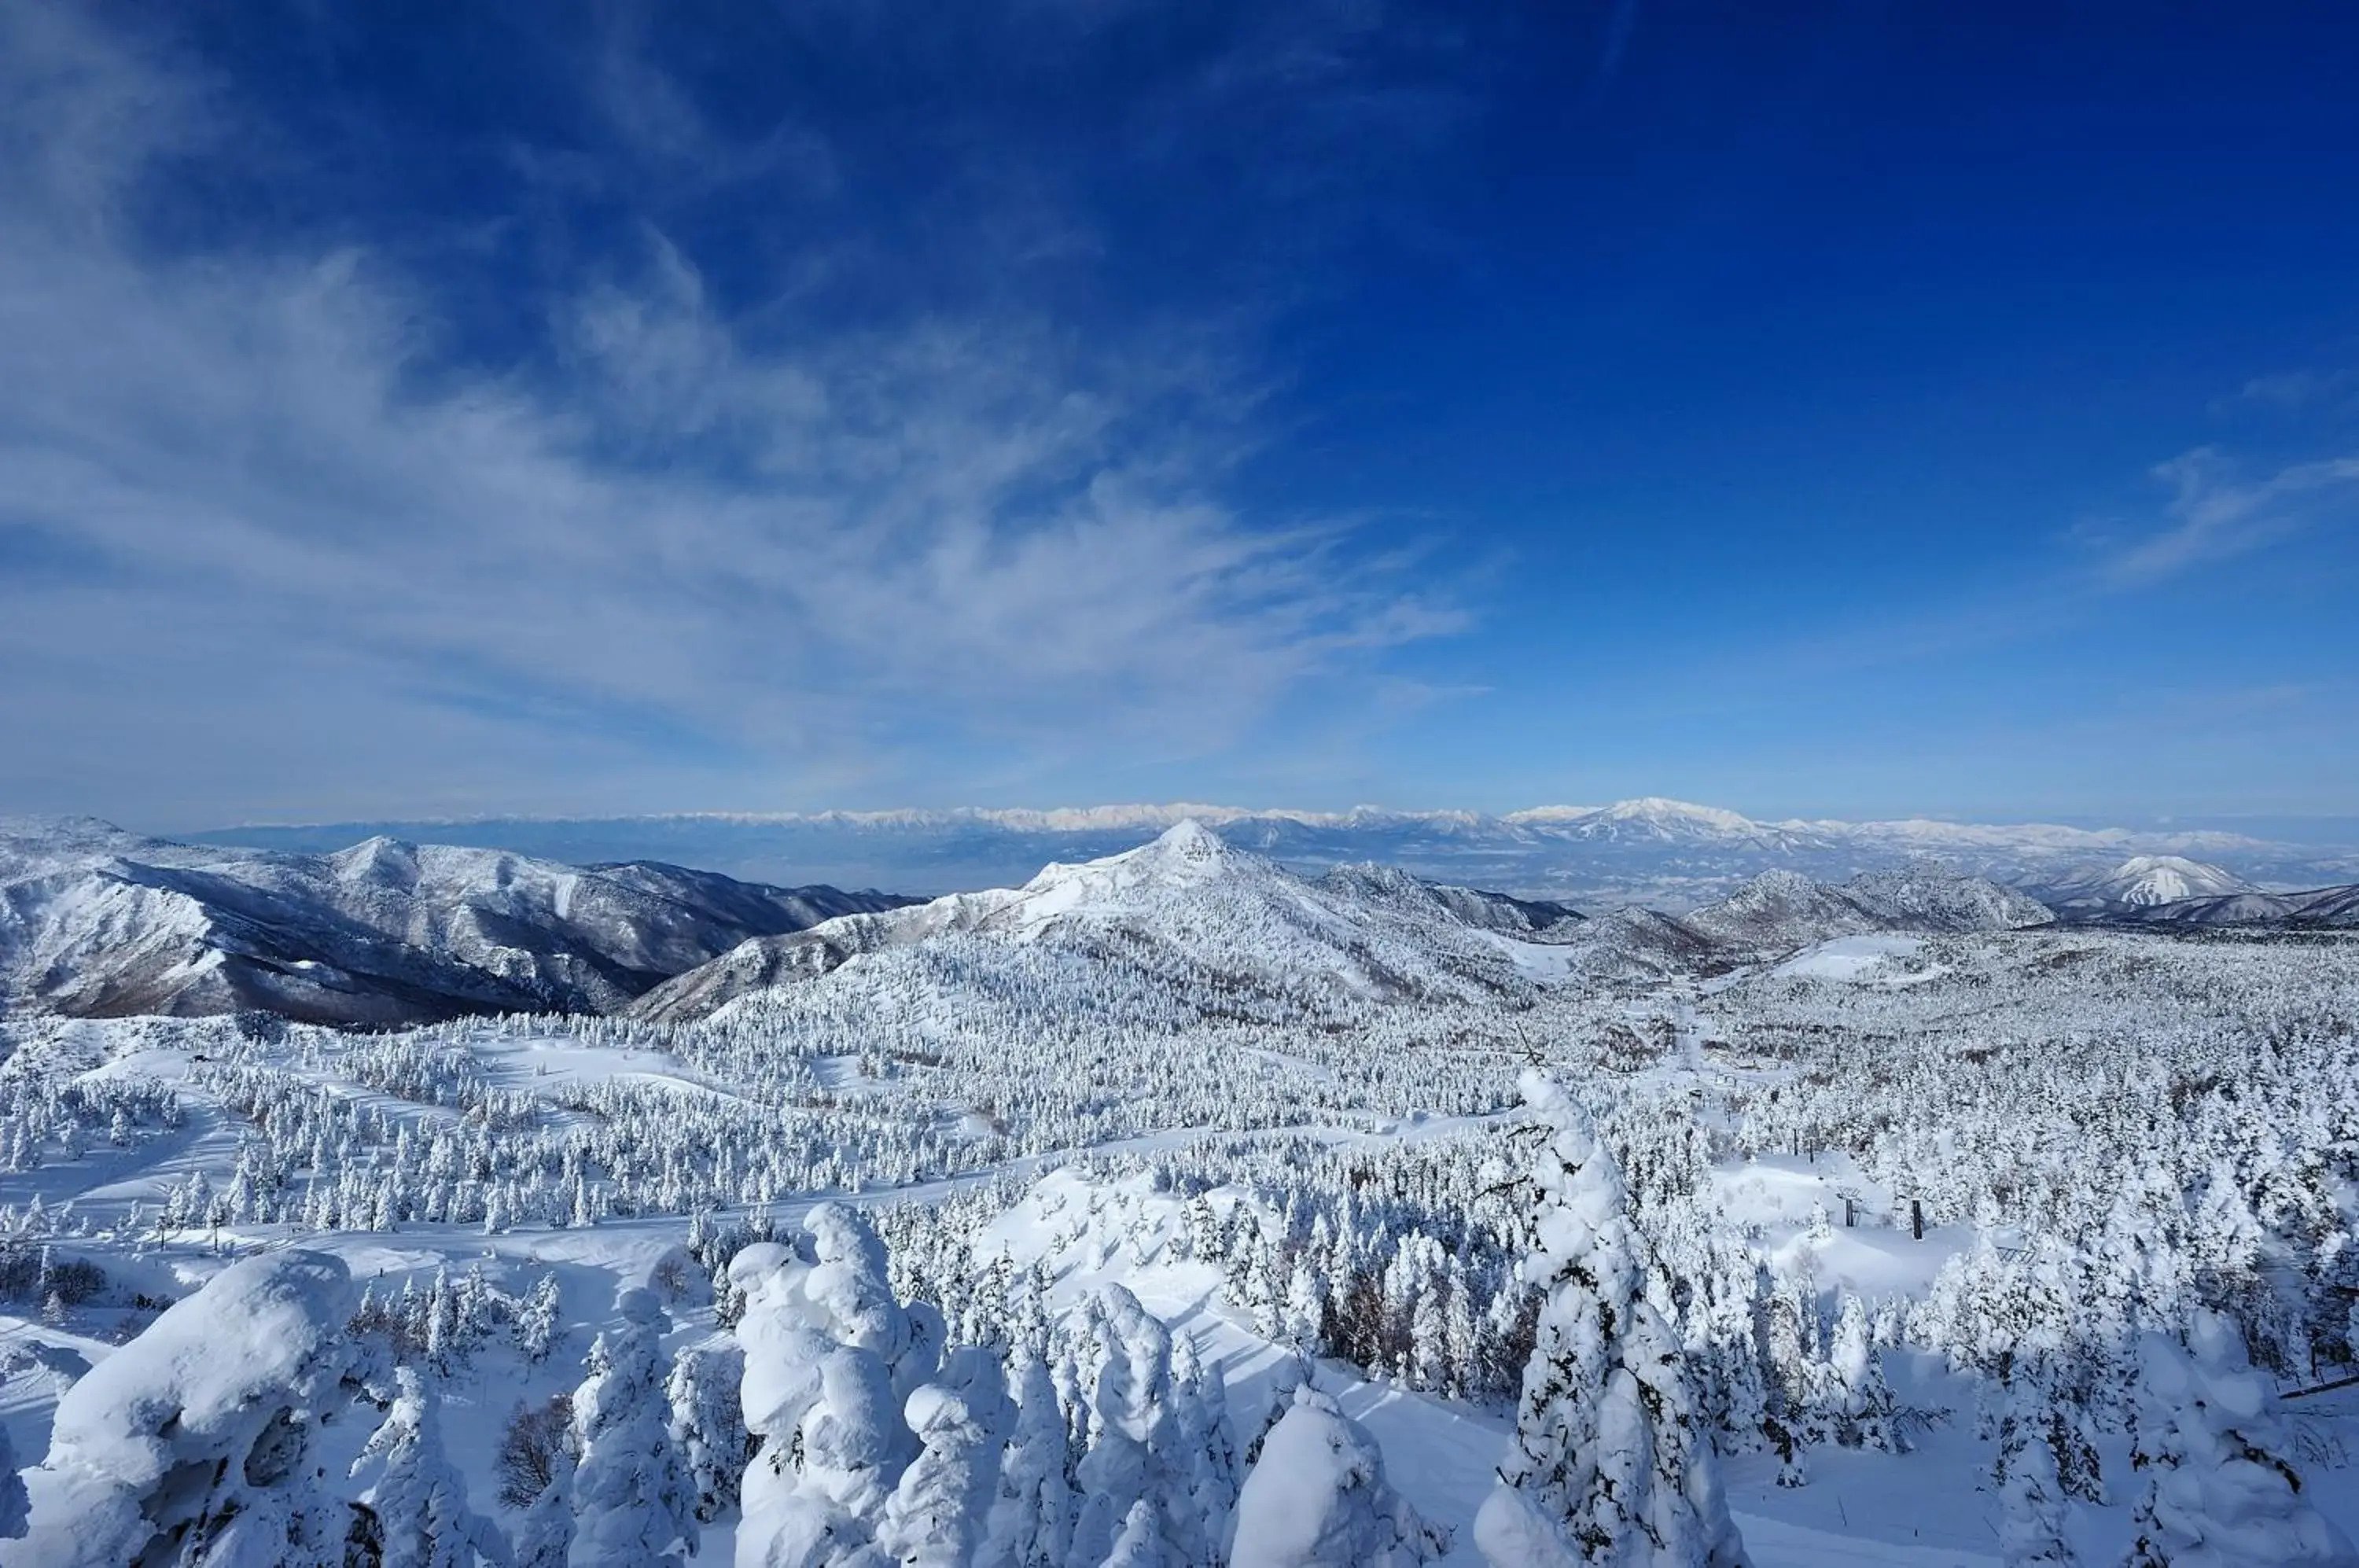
(188, 1446)
(97, 922)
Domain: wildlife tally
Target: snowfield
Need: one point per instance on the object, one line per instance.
(1853, 958)
(1178, 1208)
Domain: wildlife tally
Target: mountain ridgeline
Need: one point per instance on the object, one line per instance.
(98, 922)
(1189, 902)
(1666, 854)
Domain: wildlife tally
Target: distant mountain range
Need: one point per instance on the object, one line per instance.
(2319, 908)
(1665, 854)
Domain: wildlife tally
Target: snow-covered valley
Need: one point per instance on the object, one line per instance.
(1002, 1229)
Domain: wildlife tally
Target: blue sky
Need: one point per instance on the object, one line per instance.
(1850, 409)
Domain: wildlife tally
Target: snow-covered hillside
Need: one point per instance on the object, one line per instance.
(96, 922)
(2141, 882)
(1925, 895)
(1778, 911)
(1188, 905)
(2322, 907)
(1188, 909)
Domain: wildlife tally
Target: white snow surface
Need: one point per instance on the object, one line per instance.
(1851, 958)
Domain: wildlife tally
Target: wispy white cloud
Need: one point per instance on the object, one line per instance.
(2217, 512)
(697, 551)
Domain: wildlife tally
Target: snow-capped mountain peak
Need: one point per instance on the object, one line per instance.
(1184, 906)
(2144, 881)
(1185, 854)
(2161, 878)
(385, 861)
(1185, 848)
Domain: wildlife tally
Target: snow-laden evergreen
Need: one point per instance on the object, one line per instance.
(418, 1515)
(2034, 1531)
(708, 1425)
(2222, 1487)
(15, 1504)
(633, 1501)
(822, 1337)
(939, 1515)
(1317, 1499)
(1609, 1463)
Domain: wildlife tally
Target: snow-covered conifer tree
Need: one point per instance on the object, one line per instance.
(1305, 1309)
(1608, 1462)
(1865, 1415)
(1429, 1367)
(1140, 1543)
(708, 1426)
(1203, 1445)
(1317, 1499)
(938, 1514)
(820, 1339)
(538, 1323)
(632, 1498)
(14, 1505)
(1032, 1522)
(2031, 1531)
(420, 1499)
(2223, 1490)
(1132, 1434)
